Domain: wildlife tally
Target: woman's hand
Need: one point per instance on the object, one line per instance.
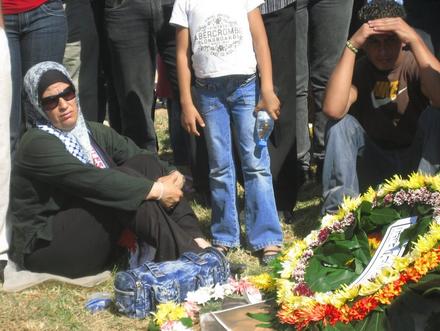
(171, 195)
(175, 178)
(168, 194)
(270, 103)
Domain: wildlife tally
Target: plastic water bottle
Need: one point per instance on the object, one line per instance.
(263, 127)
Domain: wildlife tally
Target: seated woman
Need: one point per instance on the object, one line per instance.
(76, 185)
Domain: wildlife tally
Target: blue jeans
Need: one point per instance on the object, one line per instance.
(317, 53)
(353, 160)
(33, 36)
(224, 102)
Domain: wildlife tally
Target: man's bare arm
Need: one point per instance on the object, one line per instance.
(340, 94)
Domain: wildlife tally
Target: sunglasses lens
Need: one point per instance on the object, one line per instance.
(68, 94)
(51, 102)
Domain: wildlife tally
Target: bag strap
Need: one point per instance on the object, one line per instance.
(195, 258)
(154, 269)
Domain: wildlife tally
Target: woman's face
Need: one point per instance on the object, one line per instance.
(59, 104)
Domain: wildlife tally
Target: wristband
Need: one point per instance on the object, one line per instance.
(351, 47)
(161, 191)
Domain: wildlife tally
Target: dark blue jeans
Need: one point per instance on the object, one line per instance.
(353, 161)
(34, 36)
(321, 32)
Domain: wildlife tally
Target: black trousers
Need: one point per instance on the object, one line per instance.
(280, 28)
(85, 234)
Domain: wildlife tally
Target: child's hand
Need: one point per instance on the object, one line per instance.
(190, 118)
(270, 103)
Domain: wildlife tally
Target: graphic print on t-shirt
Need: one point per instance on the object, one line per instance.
(384, 95)
(219, 35)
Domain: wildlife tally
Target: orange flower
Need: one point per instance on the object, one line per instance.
(362, 308)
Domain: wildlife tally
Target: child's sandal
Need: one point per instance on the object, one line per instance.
(268, 254)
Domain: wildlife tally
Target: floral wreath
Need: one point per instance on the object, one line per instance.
(300, 306)
(304, 287)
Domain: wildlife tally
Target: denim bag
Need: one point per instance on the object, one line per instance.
(138, 291)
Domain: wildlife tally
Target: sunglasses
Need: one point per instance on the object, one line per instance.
(51, 102)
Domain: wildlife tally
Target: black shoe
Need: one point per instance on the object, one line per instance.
(3, 264)
(237, 268)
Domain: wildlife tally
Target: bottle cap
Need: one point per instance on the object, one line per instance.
(262, 143)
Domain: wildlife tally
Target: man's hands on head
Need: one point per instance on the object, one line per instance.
(397, 26)
(383, 26)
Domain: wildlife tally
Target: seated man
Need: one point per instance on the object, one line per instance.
(385, 106)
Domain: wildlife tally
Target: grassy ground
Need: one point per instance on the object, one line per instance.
(55, 306)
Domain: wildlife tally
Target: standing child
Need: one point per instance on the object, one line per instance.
(228, 40)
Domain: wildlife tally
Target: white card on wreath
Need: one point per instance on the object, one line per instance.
(388, 250)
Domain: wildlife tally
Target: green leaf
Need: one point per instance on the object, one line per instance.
(428, 282)
(415, 230)
(262, 317)
(152, 326)
(339, 327)
(375, 321)
(383, 216)
(433, 322)
(264, 325)
(325, 279)
(186, 321)
(423, 210)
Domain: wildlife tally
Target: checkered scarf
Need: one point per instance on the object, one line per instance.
(77, 140)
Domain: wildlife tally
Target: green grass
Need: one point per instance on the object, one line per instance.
(56, 306)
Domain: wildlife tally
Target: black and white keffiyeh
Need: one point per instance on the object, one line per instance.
(77, 140)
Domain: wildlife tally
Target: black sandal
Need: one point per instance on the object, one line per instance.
(269, 254)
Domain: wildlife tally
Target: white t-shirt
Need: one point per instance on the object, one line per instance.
(220, 35)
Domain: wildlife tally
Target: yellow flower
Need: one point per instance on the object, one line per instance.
(387, 275)
(368, 288)
(284, 290)
(434, 182)
(348, 292)
(349, 204)
(434, 230)
(370, 195)
(425, 243)
(169, 311)
(401, 263)
(328, 220)
(263, 282)
(416, 180)
(392, 185)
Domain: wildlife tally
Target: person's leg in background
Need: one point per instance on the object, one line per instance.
(81, 55)
(280, 27)
(34, 36)
(131, 27)
(427, 141)
(5, 152)
(329, 21)
(302, 86)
